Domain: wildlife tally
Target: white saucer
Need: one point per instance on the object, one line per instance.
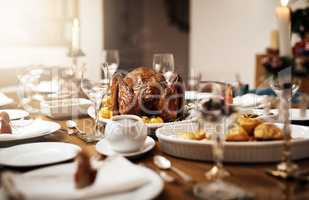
(16, 113)
(103, 147)
(36, 154)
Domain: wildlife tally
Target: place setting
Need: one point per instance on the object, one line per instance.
(19, 130)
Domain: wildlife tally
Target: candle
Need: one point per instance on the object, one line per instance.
(274, 39)
(284, 27)
(75, 35)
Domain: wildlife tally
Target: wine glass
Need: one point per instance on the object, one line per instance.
(27, 79)
(95, 90)
(277, 86)
(286, 168)
(111, 58)
(163, 62)
(215, 113)
(192, 99)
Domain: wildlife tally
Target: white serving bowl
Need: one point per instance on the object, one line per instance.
(246, 152)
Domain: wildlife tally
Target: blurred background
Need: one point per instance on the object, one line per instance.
(219, 38)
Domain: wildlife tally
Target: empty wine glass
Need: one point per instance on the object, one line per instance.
(277, 86)
(27, 79)
(215, 114)
(111, 58)
(193, 86)
(163, 62)
(95, 90)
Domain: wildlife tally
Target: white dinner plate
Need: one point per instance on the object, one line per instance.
(16, 113)
(29, 129)
(295, 114)
(104, 148)
(36, 154)
(249, 100)
(247, 152)
(148, 191)
(149, 126)
(192, 95)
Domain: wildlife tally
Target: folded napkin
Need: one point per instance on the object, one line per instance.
(249, 100)
(4, 100)
(115, 175)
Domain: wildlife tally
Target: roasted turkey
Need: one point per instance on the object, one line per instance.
(145, 92)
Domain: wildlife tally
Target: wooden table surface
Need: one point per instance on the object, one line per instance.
(251, 177)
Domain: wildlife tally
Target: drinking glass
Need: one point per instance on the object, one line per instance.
(111, 58)
(163, 62)
(214, 113)
(27, 79)
(43, 83)
(193, 86)
(95, 90)
(286, 168)
(277, 86)
(192, 98)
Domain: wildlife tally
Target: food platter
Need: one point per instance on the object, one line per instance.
(150, 126)
(244, 152)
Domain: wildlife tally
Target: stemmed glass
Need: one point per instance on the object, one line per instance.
(287, 168)
(27, 80)
(95, 90)
(277, 86)
(163, 62)
(111, 58)
(214, 113)
(193, 86)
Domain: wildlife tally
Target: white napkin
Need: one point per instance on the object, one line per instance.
(4, 100)
(115, 175)
(249, 100)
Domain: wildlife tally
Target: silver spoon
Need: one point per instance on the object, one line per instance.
(72, 127)
(165, 176)
(164, 163)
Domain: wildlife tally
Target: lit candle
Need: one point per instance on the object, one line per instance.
(75, 35)
(284, 27)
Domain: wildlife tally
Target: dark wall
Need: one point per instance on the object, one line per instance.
(140, 28)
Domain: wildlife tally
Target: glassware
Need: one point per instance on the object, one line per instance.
(95, 90)
(193, 87)
(163, 62)
(44, 83)
(25, 92)
(214, 113)
(111, 58)
(287, 168)
(277, 86)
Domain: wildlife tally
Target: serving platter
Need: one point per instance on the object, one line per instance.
(244, 152)
(151, 126)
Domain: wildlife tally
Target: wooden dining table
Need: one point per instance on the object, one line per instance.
(250, 177)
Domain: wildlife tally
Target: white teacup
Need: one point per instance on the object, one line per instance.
(126, 133)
